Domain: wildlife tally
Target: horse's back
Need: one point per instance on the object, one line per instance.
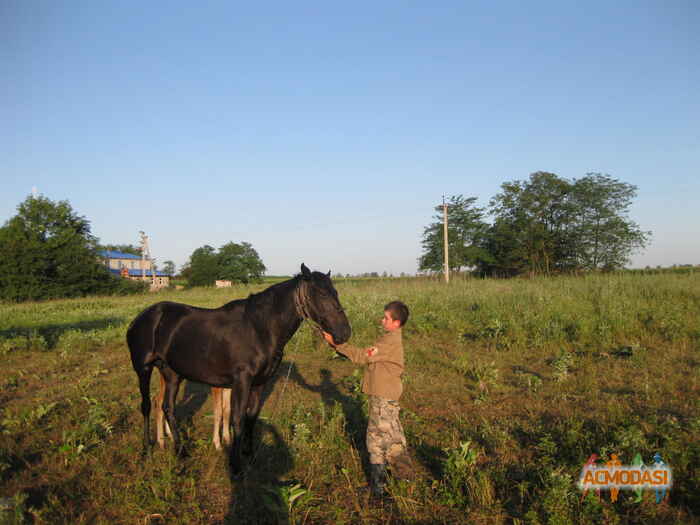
(166, 324)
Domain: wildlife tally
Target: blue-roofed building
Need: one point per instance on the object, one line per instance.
(134, 267)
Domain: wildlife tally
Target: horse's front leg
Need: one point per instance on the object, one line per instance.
(239, 403)
(254, 406)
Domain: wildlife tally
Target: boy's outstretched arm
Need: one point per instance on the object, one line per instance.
(356, 355)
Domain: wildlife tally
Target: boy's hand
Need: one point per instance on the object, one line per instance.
(329, 339)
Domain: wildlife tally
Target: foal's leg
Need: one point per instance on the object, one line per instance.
(216, 397)
(172, 384)
(239, 402)
(222, 415)
(226, 414)
(252, 412)
(161, 424)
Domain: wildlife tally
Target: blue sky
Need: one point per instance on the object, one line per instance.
(326, 132)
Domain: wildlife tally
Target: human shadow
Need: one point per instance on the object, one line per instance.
(351, 405)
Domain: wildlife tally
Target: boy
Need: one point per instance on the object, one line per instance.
(386, 442)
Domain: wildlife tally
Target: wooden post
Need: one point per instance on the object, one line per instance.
(447, 257)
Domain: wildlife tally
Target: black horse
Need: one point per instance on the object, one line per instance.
(237, 346)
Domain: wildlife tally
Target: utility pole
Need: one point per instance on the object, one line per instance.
(144, 241)
(447, 257)
(146, 256)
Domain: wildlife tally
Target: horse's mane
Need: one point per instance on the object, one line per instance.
(256, 300)
(266, 298)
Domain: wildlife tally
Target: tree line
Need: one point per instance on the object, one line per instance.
(47, 251)
(540, 226)
(543, 225)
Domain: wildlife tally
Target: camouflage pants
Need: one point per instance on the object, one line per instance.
(385, 438)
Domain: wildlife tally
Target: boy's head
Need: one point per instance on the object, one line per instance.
(395, 316)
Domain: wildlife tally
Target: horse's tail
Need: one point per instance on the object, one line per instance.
(141, 336)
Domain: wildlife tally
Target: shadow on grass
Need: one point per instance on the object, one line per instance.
(261, 495)
(352, 406)
(51, 333)
(432, 457)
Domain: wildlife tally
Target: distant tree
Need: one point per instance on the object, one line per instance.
(240, 262)
(465, 232)
(531, 221)
(602, 236)
(548, 224)
(203, 267)
(234, 262)
(169, 267)
(47, 251)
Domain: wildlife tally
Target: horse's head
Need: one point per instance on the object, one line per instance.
(319, 301)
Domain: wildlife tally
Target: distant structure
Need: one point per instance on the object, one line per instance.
(223, 284)
(134, 267)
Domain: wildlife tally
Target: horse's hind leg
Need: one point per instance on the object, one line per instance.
(145, 387)
(172, 384)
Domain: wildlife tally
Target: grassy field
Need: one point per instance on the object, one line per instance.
(510, 386)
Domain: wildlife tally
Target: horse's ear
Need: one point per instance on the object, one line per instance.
(328, 274)
(305, 272)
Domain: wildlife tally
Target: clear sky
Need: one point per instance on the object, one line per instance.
(326, 132)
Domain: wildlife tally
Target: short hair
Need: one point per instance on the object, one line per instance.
(398, 311)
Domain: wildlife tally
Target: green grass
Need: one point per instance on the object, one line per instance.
(510, 386)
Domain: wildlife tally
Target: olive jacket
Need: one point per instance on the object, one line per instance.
(384, 367)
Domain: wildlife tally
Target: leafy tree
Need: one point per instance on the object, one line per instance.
(169, 267)
(465, 233)
(602, 236)
(203, 267)
(531, 218)
(548, 224)
(240, 262)
(47, 251)
(234, 262)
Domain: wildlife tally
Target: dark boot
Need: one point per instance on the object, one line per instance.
(377, 481)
